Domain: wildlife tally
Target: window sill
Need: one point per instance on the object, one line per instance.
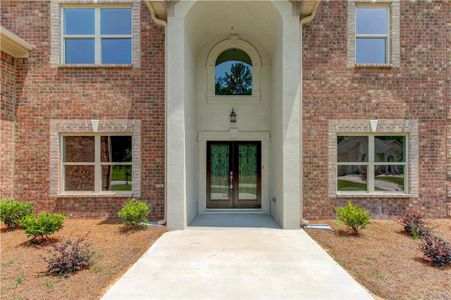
(90, 195)
(385, 66)
(233, 99)
(374, 195)
(72, 66)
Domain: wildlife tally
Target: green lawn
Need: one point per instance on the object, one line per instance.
(121, 187)
(344, 185)
(118, 172)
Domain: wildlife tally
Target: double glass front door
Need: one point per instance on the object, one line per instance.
(234, 174)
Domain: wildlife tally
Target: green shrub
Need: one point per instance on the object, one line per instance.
(39, 228)
(12, 212)
(134, 212)
(354, 217)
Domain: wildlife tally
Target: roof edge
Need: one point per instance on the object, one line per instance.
(158, 9)
(14, 45)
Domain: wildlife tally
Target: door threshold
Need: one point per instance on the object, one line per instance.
(234, 211)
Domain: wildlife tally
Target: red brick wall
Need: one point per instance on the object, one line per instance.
(45, 93)
(7, 117)
(415, 90)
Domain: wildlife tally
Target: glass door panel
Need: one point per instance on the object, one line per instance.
(219, 171)
(247, 172)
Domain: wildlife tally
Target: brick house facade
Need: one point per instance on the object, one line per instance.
(35, 92)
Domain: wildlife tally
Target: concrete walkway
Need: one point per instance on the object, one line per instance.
(236, 264)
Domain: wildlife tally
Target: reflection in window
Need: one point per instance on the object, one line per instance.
(372, 34)
(116, 178)
(219, 171)
(371, 163)
(116, 157)
(389, 178)
(233, 73)
(248, 171)
(80, 164)
(390, 149)
(352, 148)
(352, 178)
(81, 37)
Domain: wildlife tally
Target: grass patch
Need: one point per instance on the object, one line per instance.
(121, 187)
(344, 185)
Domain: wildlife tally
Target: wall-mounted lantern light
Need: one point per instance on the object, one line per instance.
(233, 116)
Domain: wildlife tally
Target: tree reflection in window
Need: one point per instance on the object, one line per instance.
(233, 73)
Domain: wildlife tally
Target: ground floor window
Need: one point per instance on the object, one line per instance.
(97, 163)
(371, 163)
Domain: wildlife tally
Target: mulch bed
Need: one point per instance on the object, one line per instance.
(387, 261)
(23, 269)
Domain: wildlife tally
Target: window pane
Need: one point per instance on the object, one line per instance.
(79, 21)
(352, 148)
(79, 178)
(79, 149)
(370, 51)
(116, 178)
(116, 51)
(233, 73)
(371, 20)
(116, 148)
(219, 172)
(247, 172)
(390, 148)
(352, 178)
(389, 178)
(115, 21)
(79, 51)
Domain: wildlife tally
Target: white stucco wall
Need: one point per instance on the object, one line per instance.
(191, 147)
(192, 31)
(276, 176)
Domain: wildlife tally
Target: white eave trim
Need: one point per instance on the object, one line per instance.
(158, 9)
(14, 45)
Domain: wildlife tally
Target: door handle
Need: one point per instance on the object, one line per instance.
(231, 181)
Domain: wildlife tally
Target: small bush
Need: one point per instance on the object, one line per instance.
(12, 212)
(354, 217)
(69, 256)
(413, 224)
(436, 250)
(134, 212)
(39, 228)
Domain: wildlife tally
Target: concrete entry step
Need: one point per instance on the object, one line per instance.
(234, 220)
(236, 264)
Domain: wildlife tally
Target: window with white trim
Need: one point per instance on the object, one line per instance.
(371, 163)
(97, 163)
(372, 34)
(97, 35)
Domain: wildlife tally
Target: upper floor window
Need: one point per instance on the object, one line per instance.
(371, 163)
(372, 35)
(97, 36)
(233, 73)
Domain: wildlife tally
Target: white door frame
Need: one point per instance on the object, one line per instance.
(233, 135)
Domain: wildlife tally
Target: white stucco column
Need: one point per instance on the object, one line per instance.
(175, 121)
(291, 115)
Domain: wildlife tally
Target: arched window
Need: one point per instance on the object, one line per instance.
(233, 73)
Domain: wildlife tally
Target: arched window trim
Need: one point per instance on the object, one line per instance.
(233, 42)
